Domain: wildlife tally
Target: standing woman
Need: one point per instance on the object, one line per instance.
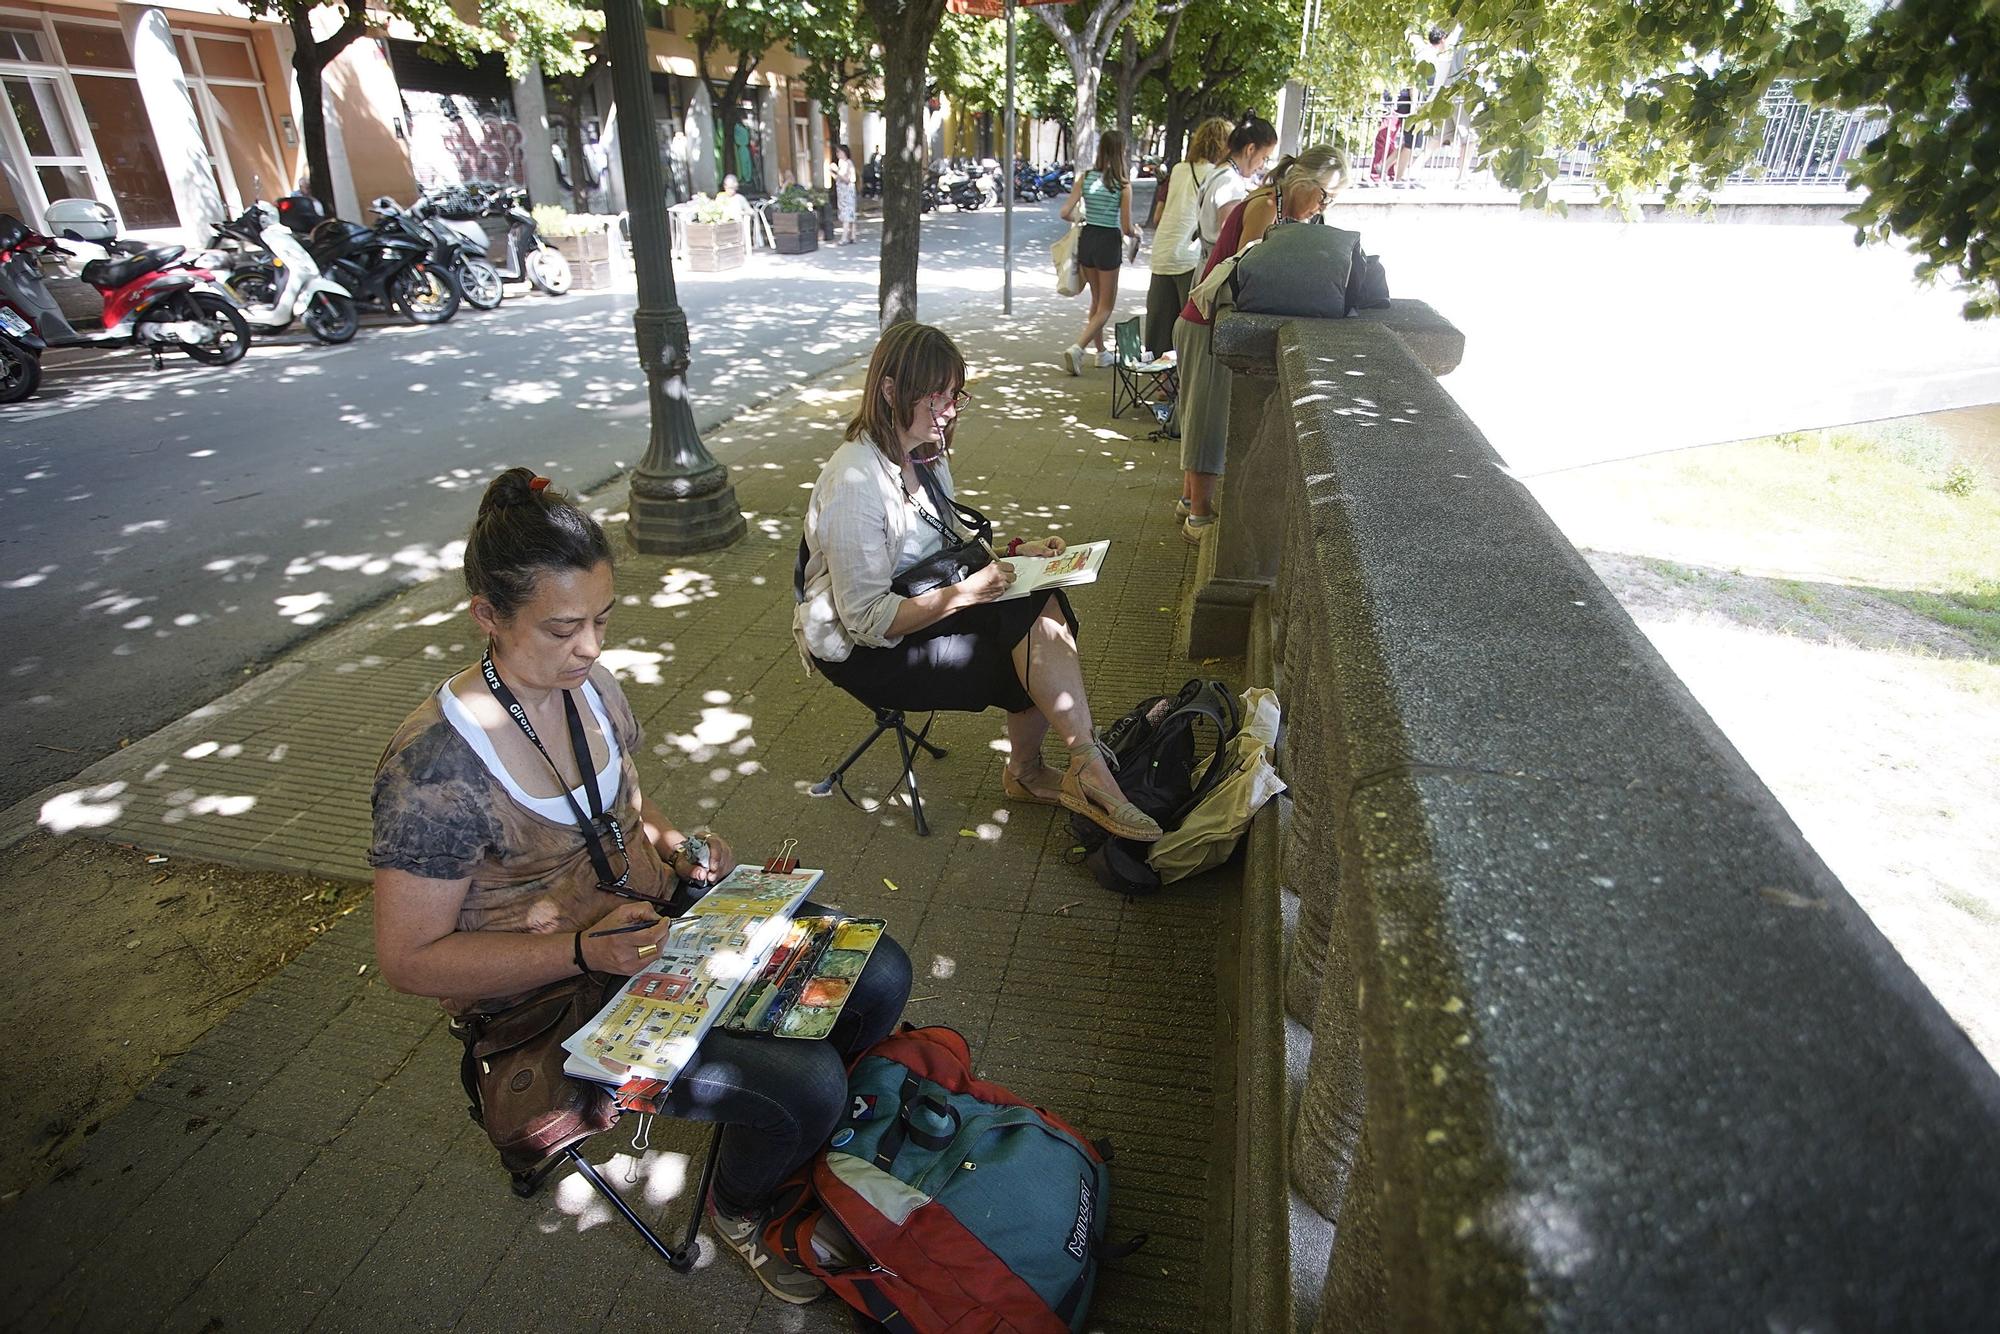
(1298, 189)
(1105, 197)
(1176, 249)
(843, 192)
(1250, 145)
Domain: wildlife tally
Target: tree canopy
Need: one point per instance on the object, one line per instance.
(1667, 98)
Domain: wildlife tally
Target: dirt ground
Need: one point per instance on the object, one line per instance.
(115, 963)
(1791, 591)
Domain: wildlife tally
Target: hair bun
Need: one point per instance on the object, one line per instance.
(514, 487)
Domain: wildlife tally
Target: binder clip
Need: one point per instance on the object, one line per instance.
(786, 859)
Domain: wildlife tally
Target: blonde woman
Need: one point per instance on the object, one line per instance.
(1298, 188)
(1176, 243)
(1103, 196)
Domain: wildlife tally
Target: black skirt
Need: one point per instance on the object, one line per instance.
(964, 663)
(1100, 247)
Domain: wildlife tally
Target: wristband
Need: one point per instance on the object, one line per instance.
(1014, 547)
(576, 951)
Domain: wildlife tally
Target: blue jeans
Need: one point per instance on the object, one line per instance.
(781, 1097)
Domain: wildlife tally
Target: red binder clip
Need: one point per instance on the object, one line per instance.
(786, 859)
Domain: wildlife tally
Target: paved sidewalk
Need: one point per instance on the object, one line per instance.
(309, 1163)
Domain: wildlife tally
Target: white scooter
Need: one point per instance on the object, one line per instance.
(283, 283)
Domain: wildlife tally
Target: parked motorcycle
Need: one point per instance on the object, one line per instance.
(1055, 180)
(20, 356)
(384, 268)
(1027, 183)
(961, 190)
(463, 250)
(932, 195)
(871, 177)
(527, 258)
(276, 278)
(149, 299)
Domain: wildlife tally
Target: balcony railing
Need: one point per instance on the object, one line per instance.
(1801, 145)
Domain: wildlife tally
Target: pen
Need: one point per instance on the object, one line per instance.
(625, 930)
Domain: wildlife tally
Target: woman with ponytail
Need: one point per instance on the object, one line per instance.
(1250, 147)
(514, 849)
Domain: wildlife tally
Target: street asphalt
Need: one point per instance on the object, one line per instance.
(164, 533)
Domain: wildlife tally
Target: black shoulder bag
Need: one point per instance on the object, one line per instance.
(961, 558)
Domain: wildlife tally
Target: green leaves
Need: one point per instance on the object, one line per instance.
(1666, 95)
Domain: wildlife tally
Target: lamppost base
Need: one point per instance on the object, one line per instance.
(685, 525)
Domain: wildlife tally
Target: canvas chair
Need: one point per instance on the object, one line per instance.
(909, 740)
(1139, 384)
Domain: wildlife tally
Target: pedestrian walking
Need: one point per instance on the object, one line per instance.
(844, 181)
(1104, 197)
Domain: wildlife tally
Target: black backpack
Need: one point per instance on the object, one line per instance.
(1155, 747)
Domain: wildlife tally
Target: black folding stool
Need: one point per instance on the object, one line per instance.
(908, 742)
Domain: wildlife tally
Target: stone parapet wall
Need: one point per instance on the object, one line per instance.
(1582, 1034)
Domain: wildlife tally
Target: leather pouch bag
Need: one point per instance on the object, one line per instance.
(961, 557)
(514, 1069)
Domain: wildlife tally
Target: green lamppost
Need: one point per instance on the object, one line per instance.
(682, 501)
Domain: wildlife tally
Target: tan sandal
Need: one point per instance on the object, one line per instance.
(1019, 791)
(1116, 816)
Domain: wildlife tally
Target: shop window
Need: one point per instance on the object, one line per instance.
(124, 135)
(94, 46)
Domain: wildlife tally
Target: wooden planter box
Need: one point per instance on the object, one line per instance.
(714, 246)
(795, 233)
(589, 258)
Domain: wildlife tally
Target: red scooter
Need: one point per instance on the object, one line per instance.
(146, 300)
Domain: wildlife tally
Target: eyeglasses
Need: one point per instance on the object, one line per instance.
(957, 400)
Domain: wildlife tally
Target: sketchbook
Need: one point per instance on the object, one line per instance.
(1077, 565)
(738, 952)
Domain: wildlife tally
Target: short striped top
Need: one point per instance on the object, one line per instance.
(1100, 201)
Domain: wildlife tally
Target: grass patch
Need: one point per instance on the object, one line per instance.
(1887, 507)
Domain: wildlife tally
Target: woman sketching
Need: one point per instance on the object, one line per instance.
(881, 507)
(511, 833)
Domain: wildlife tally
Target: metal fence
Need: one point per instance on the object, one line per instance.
(1802, 144)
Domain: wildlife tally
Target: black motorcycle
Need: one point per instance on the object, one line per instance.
(21, 351)
(871, 178)
(932, 194)
(1027, 183)
(461, 247)
(386, 268)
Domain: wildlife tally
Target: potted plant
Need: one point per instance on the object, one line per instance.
(584, 240)
(714, 236)
(795, 220)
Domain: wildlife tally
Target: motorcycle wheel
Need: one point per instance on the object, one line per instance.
(231, 330)
(425, 294)
(481, 282)
(332, 319)
(548, 270)
(256, 286)
(20, 372)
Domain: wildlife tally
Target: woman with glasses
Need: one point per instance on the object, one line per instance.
(511, 833)
(1298, 189)
(874, 514)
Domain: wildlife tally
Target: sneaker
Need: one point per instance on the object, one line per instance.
(1073, 359)
(745, 1236)
(1183, 507)
(1195, 527)
(1106, 359)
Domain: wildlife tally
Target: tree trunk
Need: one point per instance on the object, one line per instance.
(579, 165)
(1126, 82)
(905, 43)
(312, 109)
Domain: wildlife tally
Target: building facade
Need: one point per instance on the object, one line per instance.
(180, 114)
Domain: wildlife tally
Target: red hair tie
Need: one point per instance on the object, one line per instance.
(538, 483)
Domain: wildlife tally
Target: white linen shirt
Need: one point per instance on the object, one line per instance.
(859, 533)
(1174, 247)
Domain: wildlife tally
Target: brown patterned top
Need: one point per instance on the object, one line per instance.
(442, 813)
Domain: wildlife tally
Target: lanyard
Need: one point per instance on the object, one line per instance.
(580, 747)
